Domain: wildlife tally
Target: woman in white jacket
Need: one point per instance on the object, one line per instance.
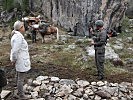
(20, 56)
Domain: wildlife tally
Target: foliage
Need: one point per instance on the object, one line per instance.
(8, 4)
(11, 4)
(25, 5)
(125, 23)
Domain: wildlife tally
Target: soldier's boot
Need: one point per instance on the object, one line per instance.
(100, 77)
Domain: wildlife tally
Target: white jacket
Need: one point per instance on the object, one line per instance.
(19, 52)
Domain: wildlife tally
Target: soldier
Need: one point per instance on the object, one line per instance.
(99, 42)
(75, 29)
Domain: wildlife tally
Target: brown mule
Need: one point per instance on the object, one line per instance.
(51, 30)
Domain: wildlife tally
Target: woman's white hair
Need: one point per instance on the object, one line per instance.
(17, 25)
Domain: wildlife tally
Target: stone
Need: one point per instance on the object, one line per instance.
(60, 94)
(83, 83)
(114, 98)
(5, 93)
(55, 79)
(100, 83)
(43, 86)
(97, 97)
(41, 78)
(67, 82)
(37, 82)
(93, 83)
(34, 94)
(78, 93)
(45, 82)
(72, 47)
(67, 89)
(37, 88)
(71, 97)
(85, 96)
(89, 91)
(113, 84)
(29, 81)
(103, 94)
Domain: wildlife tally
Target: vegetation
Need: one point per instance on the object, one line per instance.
(9, 5)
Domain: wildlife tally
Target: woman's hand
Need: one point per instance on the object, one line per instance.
(13, 63)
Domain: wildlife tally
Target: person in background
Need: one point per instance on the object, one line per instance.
(99, 42)
(34, 27)
(19, 57)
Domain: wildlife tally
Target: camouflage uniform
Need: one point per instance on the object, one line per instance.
(99, 46)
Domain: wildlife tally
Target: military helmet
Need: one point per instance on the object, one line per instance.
(99, 23)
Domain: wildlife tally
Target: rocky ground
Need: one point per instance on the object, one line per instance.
(66, 59)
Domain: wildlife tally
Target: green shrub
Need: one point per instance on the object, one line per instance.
(125, 23)
(8, 4)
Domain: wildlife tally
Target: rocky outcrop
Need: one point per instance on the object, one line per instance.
(68, 13)
(79, 13)
(129, 11)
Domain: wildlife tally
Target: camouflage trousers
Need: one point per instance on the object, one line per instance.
(99, 59)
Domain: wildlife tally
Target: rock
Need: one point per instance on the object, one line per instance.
(37, 82)
(123, 89)
(37, 88)
(38, 99)
(100, 83)
(55, 79)
(109, 52)
(34, 94)
(83, 83)
(93, 83)
(5, 93)
(129, 39)
(86, 97)
(103, 94)
(66, 88)
(97, 97)
(72, 47)
(64, 38)
(89, 91)
(41, 78)
(45, 82)
(67, 82)
(113, 84)
(118, 62)
(71, 97)
(78, 93)
(61, 94)
(129, 61)
(43, 86)
(29, 81)
(114, 98)
(59, 98)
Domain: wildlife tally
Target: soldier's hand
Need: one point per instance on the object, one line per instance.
(92, 43)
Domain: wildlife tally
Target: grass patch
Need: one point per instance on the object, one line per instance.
(111, 70)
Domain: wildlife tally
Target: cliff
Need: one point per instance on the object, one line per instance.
(68, 13)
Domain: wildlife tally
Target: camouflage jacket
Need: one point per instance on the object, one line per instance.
(100, 38)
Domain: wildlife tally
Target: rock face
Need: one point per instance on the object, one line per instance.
(80, 13)
(68, 13)
(129, 11)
